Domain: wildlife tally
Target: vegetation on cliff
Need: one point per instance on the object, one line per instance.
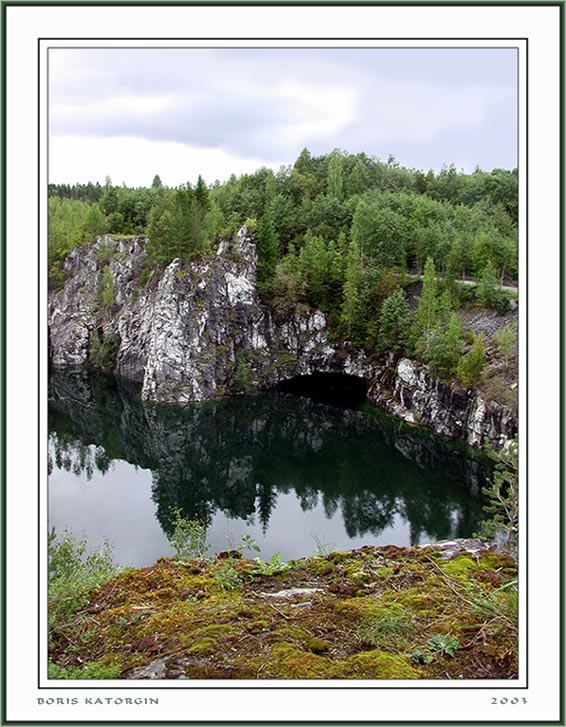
(380, 249)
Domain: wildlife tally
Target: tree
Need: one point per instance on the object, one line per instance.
(426, 310)
(106, 289)
(335, 185)
(267, 254)
(488, 291)
(395, 321)
(444, 349)
(502, 494)
(157, 183)
(505, 338)
(471, 366)
(350, 314)
(161, 245)
(453, 266)
(358, 181)
(482, 253)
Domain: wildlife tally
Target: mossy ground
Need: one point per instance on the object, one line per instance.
(379, 613)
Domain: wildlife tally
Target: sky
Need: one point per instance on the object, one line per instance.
(179, 112)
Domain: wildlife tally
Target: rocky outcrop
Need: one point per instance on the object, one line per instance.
(408, 392)
(198, 332)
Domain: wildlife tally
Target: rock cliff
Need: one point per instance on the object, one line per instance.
(199, 332)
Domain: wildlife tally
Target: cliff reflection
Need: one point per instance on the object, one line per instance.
(238, 455)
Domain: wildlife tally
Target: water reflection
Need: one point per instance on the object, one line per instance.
(240, 455)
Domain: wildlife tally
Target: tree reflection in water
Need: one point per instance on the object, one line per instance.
(238, 455)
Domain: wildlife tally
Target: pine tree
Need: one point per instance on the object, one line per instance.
(395, 321)
(505, 338)
(445, 348)
(471, 366)
(427, 308)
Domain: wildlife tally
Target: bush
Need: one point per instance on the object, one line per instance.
(489, 294)
(72, 574)
(502, 494)
(189, 537)
(242, 374)
(103, 353)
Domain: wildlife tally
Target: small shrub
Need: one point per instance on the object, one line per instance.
(143, 276)
(444, 644)
(505, 338)
(248, 543)
(502, 493)
(103, 352)
(104, 255)
(90, 670)
(242, 374)
(72, 574)
(273, 567)
(227, 577)
(420, 657)
(188, 539)
(251, 224)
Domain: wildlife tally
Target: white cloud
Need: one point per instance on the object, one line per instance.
(136, 161)
(236, 105)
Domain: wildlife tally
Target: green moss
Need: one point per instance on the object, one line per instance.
(317, 646)
(321, 566)
(256, 627)
(498, 562)
(378, 665)
(292, 631)
(203, 646)
(460, 566)
(289, 662)
(405, 599)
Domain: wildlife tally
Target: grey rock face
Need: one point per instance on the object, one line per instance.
(200, 333)
(411, 394)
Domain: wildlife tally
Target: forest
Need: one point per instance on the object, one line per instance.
(381, 249)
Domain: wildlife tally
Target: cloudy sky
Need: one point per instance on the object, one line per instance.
(133, 113)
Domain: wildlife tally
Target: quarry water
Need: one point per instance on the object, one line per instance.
(295, 474)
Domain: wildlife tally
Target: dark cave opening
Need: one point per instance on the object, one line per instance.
(343, 390)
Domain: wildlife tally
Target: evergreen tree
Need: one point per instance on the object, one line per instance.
(427, 308)
(445, 348)
(488, 291)
(471, 366)
(161, 246)
(351, 305)
(505, 338)
(395, 321)
(106, 289)
(267, 254)
(335, 184)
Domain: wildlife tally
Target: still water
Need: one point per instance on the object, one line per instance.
(291, 472)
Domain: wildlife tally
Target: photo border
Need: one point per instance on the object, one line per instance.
(3, 387)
